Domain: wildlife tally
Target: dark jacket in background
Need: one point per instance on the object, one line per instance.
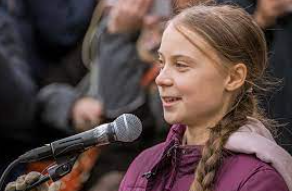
(17, 95)
(279, 39)
(34, 35)
(50, 30)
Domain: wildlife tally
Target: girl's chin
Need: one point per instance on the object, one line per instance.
(171, 119)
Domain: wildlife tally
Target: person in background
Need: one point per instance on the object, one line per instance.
(42, 48)
(51, 33)
(39, 45)
(17, 93)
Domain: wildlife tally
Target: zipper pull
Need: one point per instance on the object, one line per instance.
(169, 151)
(176, 145)
(148, 174)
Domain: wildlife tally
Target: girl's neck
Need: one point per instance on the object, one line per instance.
(199, 134)
(195, 136)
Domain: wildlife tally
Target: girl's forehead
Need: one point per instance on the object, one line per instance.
(173, 42)
(179, 38)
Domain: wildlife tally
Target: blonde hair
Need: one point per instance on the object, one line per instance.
(236, 38)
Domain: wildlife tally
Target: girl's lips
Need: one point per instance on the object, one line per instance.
(170, 101)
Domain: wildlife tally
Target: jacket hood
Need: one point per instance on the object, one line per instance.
(255, 138)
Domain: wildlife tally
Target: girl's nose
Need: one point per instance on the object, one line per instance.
(164, 78)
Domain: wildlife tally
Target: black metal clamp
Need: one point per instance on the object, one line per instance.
(63, 167)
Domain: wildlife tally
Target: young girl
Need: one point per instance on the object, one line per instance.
(212, 59)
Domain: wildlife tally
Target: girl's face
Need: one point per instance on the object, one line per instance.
(191, 86)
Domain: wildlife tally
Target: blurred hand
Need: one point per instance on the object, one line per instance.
(268, 11)
(86, 113)
(127, 15)
(23, 181)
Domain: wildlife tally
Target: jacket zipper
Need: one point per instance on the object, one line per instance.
(168, 153)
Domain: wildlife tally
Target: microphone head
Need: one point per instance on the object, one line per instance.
(127, 128)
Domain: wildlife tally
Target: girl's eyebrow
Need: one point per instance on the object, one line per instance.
(183, 56)
(177, 56)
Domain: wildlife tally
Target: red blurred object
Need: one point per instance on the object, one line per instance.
(79, 174)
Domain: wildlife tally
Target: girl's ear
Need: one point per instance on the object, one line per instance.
(236, 77)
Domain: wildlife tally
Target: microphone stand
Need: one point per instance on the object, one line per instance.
(63, 166)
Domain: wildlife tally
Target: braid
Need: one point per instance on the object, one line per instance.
(212, 153)
(209, 162)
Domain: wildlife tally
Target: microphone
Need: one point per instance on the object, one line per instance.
(126, 128)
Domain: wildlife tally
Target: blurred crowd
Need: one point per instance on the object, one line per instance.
(68, 66)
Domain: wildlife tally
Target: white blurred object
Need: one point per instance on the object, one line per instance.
(162, 8)
(110, 2)
(289, 8)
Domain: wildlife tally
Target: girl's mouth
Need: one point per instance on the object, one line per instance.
(169, 100)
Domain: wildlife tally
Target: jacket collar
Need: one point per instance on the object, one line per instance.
(170, 150)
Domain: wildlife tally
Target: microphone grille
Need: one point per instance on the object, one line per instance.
(127, 127)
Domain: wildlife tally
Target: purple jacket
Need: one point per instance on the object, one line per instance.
(171, 166)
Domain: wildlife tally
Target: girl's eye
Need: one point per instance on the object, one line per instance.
(180, 65)
(160, 64)
(159, 61)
